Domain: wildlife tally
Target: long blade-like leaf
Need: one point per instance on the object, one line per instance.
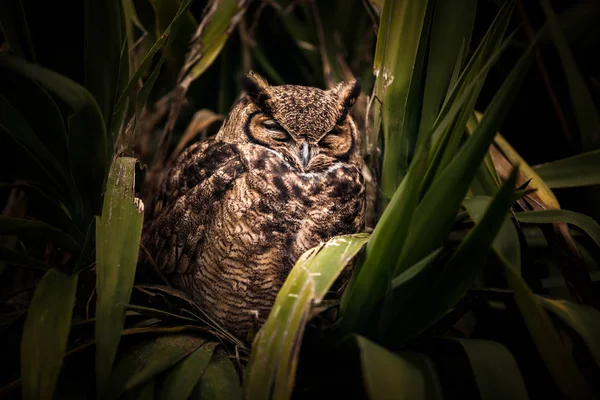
(580, 170)
(145, 359)
(27, 227)
(273, 361)
(182, 379)
(219, 381)
(45, 333)
(586, 114)
(401, 41)
(118, 233)
(584, 320)
(545, 337)
(582, 221)
(85, 130)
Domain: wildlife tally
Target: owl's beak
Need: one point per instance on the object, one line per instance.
(304, 154)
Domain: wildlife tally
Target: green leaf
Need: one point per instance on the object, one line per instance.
(495, 370)
(104, 35)
(506, 242)
(582, 221)
(164, 42)
(404, 376)
(586, 114)
(545, 337)
(118, 233)
(219, 381)
(580, 170)
(30, 228)
(181, 380)
(400, 321)
(145, 359)
(164, 11)
(273, 361)
(415, 270)
(10, 256)
(85, 129)
(45, 333)
(219, 20)
(583, 319)
(401, 41)
(437, 210)
(451, 30)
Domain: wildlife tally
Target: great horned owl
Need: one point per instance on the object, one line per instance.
(236, 211)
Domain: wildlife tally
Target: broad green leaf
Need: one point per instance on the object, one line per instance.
(400, 321)
(145, 359)
(436, 212)
(370, 282)
(85, 129)
(415, 270)
(507, 240)
(401, 41)
(37, 229)
(583, 319)
(447, 142)
(104, 35)
(586, 114)
(45, 333)
(495, 370)
(181, 380)
(451, 30)
(559, 362)
(273, 361)
(118, 233)
(219, 381)
(396, 376)
(580, 170)
(582, 221)
(11, 256)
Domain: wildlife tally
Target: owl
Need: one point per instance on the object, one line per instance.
(235, 211)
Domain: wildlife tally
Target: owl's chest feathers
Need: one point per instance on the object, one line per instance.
(278, 214)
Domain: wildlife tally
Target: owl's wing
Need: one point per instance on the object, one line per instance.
(180, 215)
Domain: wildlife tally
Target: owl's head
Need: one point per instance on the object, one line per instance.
(311, 128)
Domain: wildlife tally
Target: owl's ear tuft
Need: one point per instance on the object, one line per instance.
(256, 87)
(347, 92)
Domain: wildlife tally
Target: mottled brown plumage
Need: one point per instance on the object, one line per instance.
(236, 210)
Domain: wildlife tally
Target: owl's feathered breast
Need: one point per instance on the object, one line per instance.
(231, 219)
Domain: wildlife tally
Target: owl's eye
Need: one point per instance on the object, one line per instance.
(277, 131)
(273, 126)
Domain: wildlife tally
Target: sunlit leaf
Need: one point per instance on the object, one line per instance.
(273, 361)
(118, 233)
(45, 333)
